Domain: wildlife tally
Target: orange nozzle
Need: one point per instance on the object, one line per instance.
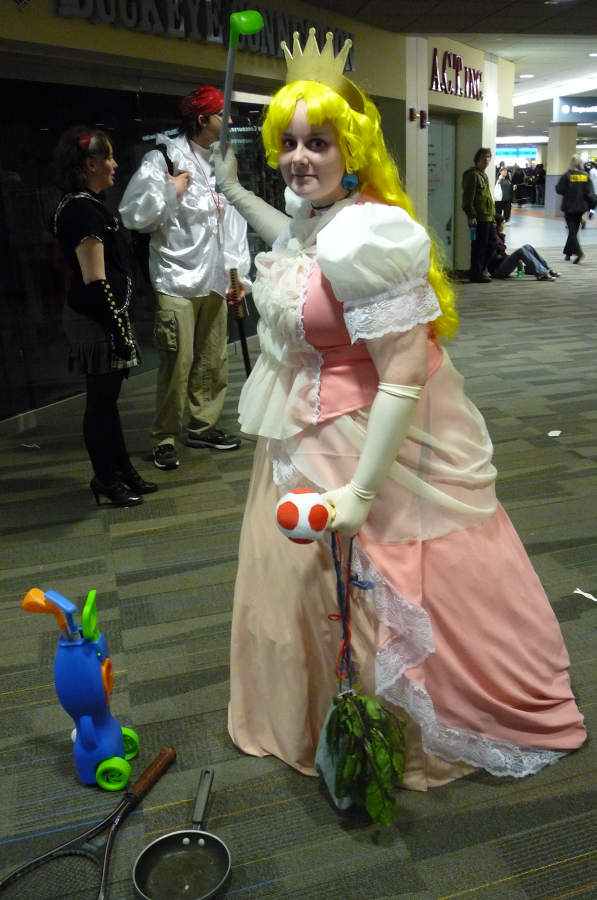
(108, 678)
(36, 602)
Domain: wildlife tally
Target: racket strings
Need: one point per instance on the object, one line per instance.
(72, 876)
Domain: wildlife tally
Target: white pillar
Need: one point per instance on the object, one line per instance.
(415, 163)
(562, 144)
(469, 138)
(490, 104)
(474, 130)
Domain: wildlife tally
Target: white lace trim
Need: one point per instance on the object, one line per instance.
(456, 745)
(409, 648)
(398, 309)
(286, 475)
(283, 237)
(413, 641)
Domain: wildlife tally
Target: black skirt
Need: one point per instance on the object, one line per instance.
(91, 345)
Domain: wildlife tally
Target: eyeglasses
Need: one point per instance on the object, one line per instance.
(218, 115)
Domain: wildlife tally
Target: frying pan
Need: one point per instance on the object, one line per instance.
(184, 865)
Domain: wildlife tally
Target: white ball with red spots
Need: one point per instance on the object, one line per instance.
(302, 516)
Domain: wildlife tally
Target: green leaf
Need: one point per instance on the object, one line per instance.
(350, 768)
(378, 804)
(367, 742)
(342, 788)
(373, 709)
(333, 727)
(381, 759)
(398, 765)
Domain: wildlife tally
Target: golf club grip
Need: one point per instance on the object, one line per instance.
(153, 773)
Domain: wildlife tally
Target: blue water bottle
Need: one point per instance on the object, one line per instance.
(473, 232)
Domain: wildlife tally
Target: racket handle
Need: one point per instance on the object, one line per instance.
(152, 773)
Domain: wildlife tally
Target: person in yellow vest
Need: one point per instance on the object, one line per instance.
(578, 197)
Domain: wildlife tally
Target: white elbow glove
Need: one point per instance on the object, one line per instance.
(389, 421)
(225, 170)
(263, 218)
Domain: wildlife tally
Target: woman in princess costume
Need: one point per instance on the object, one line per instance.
(354, 396)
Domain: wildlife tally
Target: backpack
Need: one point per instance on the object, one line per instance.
(140, 239)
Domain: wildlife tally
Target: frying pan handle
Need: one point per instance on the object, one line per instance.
(152, 773)
(206, 778)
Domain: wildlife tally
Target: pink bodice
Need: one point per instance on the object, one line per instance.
(349, 378)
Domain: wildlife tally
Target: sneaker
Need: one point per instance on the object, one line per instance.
(215, 439)
(546, 277)
(554, 274)
(164, 457)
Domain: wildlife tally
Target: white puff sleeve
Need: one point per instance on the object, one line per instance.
(377, 260)
(236, 246)
(150, 198)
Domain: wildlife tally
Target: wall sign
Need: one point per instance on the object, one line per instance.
(466, 83)
(503, 153)
(575, 109)
(202, 20)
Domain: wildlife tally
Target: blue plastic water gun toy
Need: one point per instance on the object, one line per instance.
(84, 678)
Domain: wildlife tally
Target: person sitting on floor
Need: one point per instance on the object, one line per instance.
(504, 263)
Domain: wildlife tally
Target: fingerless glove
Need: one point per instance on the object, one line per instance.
(98, 303)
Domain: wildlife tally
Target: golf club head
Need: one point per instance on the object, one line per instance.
(248, 21)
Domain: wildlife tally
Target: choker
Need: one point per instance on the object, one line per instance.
(321, 208)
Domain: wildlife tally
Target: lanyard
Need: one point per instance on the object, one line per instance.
(214, 196)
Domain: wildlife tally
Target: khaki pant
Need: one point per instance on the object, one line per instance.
(190, 336)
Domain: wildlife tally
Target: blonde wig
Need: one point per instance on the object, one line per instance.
(361, 141)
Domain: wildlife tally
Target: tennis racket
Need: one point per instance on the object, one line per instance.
(78, 869)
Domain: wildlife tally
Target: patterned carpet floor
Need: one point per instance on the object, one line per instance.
(164, 573)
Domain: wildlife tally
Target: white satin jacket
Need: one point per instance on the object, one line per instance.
(196, 238)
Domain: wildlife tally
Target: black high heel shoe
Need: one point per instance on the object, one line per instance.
(136, 482)
(116, 493)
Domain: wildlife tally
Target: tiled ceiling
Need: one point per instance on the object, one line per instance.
(549, 39)
(556, 17)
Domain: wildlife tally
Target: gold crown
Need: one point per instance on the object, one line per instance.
(324, 67)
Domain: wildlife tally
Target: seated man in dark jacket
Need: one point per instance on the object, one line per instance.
(526, 258)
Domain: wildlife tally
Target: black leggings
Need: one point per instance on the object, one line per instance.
(572, 246)
(102, 430)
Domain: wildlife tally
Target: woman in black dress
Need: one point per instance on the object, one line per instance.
(96, 317)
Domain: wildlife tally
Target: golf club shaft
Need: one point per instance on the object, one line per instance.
(227, 98)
